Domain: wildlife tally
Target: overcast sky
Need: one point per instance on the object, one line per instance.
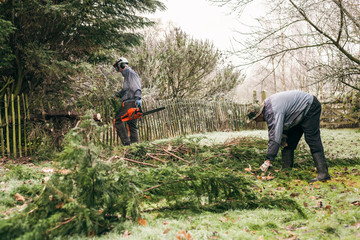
(204, 20)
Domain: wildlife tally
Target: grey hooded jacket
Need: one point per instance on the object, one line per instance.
(131, 87)
(283, 111)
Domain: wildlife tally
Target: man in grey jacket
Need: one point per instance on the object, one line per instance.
(130, 96)
(292, 114)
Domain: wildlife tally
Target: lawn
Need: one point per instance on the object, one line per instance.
(332, 208)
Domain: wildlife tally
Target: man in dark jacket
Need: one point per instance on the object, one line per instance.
(131, 97)
(291, 114)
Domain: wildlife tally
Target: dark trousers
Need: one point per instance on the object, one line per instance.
(310, 127)
(127, 131)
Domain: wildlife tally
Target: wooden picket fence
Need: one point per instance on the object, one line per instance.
(14, 120)
(339, 115)
(178, 118)
(189, 117)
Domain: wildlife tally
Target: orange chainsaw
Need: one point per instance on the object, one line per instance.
(136, 113)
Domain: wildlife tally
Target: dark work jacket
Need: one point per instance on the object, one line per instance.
(283, 111)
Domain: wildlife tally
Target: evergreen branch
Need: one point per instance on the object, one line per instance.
(42, 192)
(157, 159)
(63, 195)
(113, 157)
(142, 163)
(171, 154)
(62, 223)
(160, 185)
(157, 145)
(153, 187)
(223, 154)
(176, 149)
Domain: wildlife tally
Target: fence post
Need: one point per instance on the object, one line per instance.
(255, 100)
(28, 118)
(2, 143)
(264, 95)
(13, 124)
(7, 126)
(19, 124)
(25, 137)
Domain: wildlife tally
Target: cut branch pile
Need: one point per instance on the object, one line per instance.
(176, 175)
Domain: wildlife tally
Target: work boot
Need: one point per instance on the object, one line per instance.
(321, 167)
(287, 158)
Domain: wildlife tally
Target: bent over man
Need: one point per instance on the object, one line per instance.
(130, 96)
(292, 113)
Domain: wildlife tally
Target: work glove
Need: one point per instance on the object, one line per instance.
(265, 166)
(120, 94)
(138, 103)
(284, 141)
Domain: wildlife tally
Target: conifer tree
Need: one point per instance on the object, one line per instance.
(52, 36)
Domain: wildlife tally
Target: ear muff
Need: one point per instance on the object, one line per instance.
(116, 66)
(122, 65)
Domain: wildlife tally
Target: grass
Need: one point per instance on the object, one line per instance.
(329, 207)
(332, 207)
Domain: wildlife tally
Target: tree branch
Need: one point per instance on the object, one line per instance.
(351, 17)
(141, 163)
(282, 52)
(341, 23)
(335, 43)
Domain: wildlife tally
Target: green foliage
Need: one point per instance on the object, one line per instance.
(212, 181)
(84, 201)
(200, 188)
(29, 190)
(52, 37)
(6, 56)
(97, 194)
(20, 172)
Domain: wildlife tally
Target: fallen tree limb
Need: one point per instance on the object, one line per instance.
(213, 157)
(176, 156)
(62, 223)
(157, 186)
(142, 163)
(157, 159)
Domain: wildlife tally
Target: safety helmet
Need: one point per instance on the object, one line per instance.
(121, 63)
(254, 110)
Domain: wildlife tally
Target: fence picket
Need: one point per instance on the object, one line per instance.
(13, 119)
(7, 125)
(25, 137)
(19, 125)
(2, 138)
(27, 116)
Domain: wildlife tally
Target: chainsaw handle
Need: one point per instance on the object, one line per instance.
(137, 110)
(140, 109)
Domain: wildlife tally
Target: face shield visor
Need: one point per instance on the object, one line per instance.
(116, 66)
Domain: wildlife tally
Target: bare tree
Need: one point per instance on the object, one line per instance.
(175, 66)
(314, 43)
